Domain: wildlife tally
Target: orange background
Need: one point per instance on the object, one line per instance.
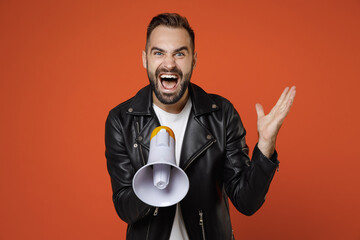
(65, 64)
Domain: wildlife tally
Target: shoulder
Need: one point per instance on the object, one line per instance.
(224, 102)
(202, 98)
(137, 105)
(121, 108)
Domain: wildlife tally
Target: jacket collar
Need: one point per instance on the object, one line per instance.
(141, 104)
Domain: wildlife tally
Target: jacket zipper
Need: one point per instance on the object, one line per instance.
(201, 223)
(197, 155)
(143, 160)
(148, 230)
(156, 211)
(140, 147)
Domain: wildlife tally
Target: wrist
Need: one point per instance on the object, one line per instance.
(267, 147)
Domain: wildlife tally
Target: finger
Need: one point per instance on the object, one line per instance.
(284, 109)
(289, 98)
(290, 93)
(280, 101)
(282, 97)
(259, 110)
(284, 103)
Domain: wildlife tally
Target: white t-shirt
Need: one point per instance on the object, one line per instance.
(177, 122)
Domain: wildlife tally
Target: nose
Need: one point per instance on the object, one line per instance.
(169, 62)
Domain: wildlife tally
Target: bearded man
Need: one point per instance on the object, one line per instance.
(210, 144)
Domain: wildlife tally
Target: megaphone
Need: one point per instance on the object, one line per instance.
(161, 183)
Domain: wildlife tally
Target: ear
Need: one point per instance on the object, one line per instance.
(144, 59)
(195, 60)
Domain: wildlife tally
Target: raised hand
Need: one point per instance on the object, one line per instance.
(269, 125)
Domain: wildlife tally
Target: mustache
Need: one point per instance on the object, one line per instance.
(174, 70)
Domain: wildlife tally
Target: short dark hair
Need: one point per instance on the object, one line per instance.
(172, 20)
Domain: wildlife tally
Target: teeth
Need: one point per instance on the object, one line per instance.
(168, 76)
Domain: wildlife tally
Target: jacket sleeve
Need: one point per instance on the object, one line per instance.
(128, 206)
(246, 182)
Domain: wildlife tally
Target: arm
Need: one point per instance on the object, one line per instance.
(128, 206)
(247, 182)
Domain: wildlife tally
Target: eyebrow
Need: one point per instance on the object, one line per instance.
(157, 49)
(182, 48)
(176, 50)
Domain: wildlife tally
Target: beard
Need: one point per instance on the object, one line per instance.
(169, 98)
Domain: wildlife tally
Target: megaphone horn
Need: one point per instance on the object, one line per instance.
(161, 182)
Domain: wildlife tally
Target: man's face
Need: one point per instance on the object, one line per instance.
(169, 61)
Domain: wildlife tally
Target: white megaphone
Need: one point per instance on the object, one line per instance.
(161, 182)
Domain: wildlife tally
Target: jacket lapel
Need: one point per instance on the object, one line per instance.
(197, 136)
(145, 120)
(196, 139)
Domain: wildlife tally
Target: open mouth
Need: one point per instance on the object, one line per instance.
(168, 80)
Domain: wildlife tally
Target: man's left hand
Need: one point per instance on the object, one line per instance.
(269, 125)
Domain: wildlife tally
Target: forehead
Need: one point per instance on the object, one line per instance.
(169, 38)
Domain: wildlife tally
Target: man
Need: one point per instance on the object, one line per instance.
(210, 140)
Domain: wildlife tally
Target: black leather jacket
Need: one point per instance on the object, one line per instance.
(214, 155)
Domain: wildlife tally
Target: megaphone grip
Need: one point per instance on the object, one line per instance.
(163, 138)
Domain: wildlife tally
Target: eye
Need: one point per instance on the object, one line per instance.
(180, 54)
(158, 53)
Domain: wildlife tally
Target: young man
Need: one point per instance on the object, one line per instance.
(210, 144)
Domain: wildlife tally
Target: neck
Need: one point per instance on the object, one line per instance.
(175, 107)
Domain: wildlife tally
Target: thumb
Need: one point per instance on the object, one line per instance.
(259, 110)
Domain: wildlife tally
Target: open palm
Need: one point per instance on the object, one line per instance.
(269, 125)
